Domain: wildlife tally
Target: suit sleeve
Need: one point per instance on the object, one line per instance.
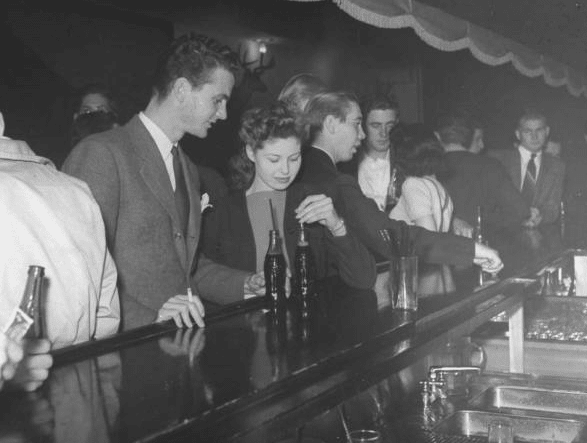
(365, 220)
(94, 163)
(356, 265)
(550, 208)
(108, 316)
(218, 283)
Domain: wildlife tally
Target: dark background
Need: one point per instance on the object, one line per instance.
(48, 51)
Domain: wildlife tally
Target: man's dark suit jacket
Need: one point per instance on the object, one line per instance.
(228, 239)
(365, 219)
(549, 185)
(126, 174)
(477, 180)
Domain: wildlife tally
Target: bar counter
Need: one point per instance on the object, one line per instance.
(248, 376)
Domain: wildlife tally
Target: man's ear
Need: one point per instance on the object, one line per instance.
(437, 135)
(547, 131)
(180, 89)
(331, 124)
(517, 134)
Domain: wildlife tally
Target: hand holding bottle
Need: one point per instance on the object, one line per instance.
(33, 370)
(320, 208)
(11, 354)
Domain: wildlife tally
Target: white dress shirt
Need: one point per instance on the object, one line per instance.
(163, 144)
(525, 156)
(373, 177)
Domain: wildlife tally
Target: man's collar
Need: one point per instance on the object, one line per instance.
(19, 150)
(161, 140)
(326, 152)
(526, 153)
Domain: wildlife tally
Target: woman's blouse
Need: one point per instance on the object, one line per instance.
(424, 196)
(261, 222)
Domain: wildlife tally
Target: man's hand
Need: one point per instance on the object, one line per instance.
(534, 220)
(182, 311)
(319, 208)
(487, 258)
(11, 354)
(462, 228)
(254, 285)
(33, 370)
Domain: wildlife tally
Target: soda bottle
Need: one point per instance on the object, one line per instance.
(304, 267)
(274, 268)
(27, 319)
(478, 228)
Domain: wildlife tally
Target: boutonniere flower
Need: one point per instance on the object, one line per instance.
(205, 202)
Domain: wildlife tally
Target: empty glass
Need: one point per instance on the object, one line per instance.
(403, 282)
(365, 436)
(500, 431)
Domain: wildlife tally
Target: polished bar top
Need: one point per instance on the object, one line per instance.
(247, 367)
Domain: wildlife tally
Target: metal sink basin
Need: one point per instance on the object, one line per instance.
(472, 423)
(533, 399)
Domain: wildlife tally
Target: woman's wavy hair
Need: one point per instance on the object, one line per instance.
(259, 125)
(421, 154)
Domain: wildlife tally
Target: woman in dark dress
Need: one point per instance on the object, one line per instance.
(236, 230)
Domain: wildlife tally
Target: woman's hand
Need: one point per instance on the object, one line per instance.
(320, 208)
(487, 258)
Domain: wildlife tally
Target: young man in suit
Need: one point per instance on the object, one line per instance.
(335, 132)
(477, 180)
(148, 190)
(538, 175)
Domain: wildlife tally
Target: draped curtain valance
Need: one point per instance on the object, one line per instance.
(447, 32)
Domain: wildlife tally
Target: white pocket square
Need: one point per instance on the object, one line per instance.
(205, 202)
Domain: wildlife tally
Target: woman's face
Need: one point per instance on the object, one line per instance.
(276, 164)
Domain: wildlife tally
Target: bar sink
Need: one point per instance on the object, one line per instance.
(533, 399)
(472, 423)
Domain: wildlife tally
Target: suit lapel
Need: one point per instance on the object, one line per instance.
(153, 171)
(543, 174)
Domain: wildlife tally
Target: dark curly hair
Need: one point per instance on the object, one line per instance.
(194, 57)
(259, 125)
(421, 155)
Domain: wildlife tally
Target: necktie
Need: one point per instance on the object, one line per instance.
(182, 202)
(529, 185)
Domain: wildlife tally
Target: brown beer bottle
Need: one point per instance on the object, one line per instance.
(27, 319)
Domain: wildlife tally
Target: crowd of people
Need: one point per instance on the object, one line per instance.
(127, 236)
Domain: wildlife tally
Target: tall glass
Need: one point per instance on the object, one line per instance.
(403, 282)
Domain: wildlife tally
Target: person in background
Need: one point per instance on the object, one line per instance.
(377, 155)
(335, 131)
(473, 179)
(299, 89)
(538, 175)
(51, 220)
(94, 97)
(237, 232)
(424, 201)
(91, 123)
(148, 190)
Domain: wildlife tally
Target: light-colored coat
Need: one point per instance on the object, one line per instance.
(127, 175)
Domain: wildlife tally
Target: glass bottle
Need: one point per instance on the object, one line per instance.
(392, 191)
(275, 273)
(563, 221)
(478, 228)
(305, 271)
(27, 319)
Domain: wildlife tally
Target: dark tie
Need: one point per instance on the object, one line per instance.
(529, 186)
(182, 202)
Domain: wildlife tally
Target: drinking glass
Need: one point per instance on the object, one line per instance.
(365, 436)
(500, 431)
(403, 283)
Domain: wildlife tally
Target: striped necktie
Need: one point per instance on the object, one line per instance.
(529, 185)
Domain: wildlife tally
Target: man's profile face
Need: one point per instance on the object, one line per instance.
(477, 145)
(532, 134)
(378, 125)
(349, 134)
(207, 103)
